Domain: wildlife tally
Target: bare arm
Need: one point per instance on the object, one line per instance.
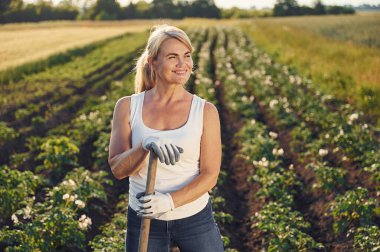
(210, 160)
(123, 160)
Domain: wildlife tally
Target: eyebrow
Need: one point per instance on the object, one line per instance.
(176, 54)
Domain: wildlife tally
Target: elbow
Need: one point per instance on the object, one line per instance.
(213, 180)
(114, 168)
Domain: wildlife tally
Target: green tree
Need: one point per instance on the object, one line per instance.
(286, 8)
(319, 8)
(105, 10)
(163, 9)
(10, 5)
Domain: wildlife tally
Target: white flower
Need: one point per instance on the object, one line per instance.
(263, 162)
(65, 196)
(365, 126)
(73, 197)
(341, 132)
(79, 203)
(253, 121)
(84, 222)
(27, 210)
(327, 136)
(344, 158)
(272, 103)
(278, 152)
(291, 167)
(353, 117)
(323, 152)
(273, 134)
(14, 219)
(72, 183)
(82, 117)
(292, 79)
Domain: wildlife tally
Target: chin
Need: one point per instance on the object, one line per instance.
(180, 81)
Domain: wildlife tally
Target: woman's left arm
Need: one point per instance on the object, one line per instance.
(210, 159)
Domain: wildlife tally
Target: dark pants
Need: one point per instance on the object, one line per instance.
(197, 233)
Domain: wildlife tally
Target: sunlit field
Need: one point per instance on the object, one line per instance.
(327, 50)
(301, 151)
(27, 42)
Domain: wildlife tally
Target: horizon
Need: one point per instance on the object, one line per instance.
(244, 4)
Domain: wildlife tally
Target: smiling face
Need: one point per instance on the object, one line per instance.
(173, 64)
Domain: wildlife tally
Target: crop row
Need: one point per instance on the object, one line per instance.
(349, 216)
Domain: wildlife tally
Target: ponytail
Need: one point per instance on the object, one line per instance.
(144, 75)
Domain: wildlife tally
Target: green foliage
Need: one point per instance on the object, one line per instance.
(16, 188)
(101, 153)
(59, 222)
(276, 185)
(53, 229)
(56, 152)
(112, 234)
(286, 229)
(235, 12)
(40, 11)
(328, 178)
(6, 133)
(301, 136)
(353, 209)
(291, 8)
(366, 238)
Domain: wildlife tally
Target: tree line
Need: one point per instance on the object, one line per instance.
(17, 11)
(292, 8)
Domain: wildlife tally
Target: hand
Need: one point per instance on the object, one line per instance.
(166, 151)
(154, 205)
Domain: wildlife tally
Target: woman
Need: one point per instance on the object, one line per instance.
(184, 132)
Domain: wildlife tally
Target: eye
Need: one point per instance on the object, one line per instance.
(171, 57)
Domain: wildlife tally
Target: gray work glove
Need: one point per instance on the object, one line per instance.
(167, 152)
(154, 205)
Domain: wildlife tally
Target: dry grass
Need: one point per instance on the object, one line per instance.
(27, 42)
(23, 43)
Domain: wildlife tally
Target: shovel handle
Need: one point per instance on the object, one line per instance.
(145, 222)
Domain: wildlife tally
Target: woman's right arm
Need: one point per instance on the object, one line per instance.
(122, 158)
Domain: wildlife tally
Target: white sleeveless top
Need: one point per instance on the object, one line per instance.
(170, 178)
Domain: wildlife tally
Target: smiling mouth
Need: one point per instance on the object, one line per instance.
(182, 72)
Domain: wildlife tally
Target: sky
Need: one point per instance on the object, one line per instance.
(259, 4)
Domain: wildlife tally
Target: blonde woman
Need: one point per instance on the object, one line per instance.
(184, 131)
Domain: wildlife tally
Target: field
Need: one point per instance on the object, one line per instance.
(339, 53)
(300, 168)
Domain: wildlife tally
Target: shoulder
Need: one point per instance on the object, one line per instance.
(122, 106)
(210, 114)
(123, 102)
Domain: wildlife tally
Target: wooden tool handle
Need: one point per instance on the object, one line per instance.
(145, 222)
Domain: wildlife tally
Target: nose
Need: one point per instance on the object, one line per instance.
(180, 61)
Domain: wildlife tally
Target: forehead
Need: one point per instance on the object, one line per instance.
(172, 45)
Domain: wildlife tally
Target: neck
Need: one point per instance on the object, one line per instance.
(167, 93)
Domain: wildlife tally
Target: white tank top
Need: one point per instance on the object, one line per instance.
(170, 178)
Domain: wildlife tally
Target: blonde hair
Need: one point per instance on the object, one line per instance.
(145, 76)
